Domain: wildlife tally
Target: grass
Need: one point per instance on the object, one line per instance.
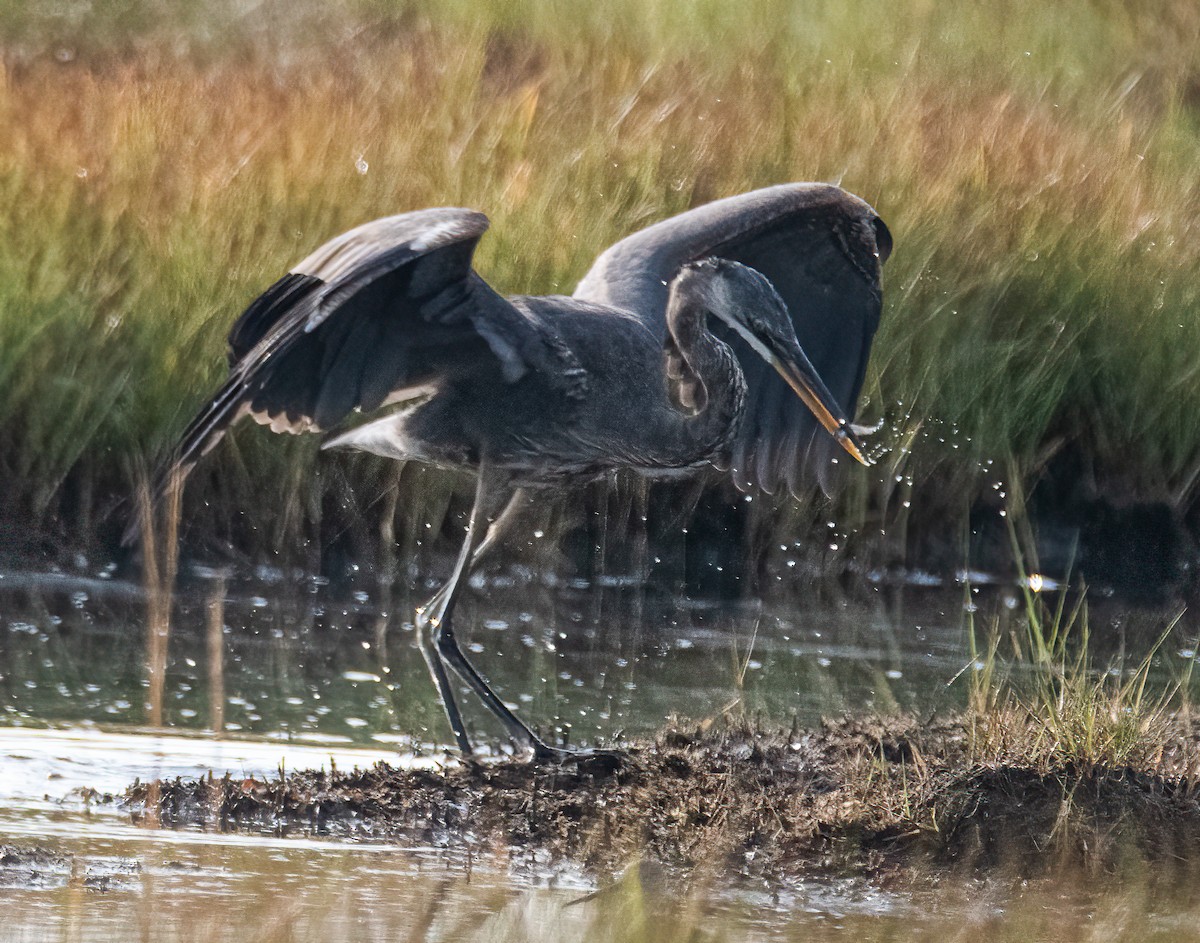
(1038, 697)
(1045, 704)
(160, 164)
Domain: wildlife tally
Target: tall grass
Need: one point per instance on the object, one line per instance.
(161, 163)
(1038, 697)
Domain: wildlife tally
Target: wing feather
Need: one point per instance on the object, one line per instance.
(368, 315)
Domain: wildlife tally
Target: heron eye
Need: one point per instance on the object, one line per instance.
(883, 239)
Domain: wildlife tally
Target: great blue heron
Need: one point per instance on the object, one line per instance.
(531, 392)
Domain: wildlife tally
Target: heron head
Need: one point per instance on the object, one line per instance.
(745, 299)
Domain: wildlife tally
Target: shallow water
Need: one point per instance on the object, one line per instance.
(592, 660)
(300, 675)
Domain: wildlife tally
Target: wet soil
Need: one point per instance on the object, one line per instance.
(875, 798)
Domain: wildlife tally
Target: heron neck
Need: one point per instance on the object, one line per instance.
(704, 379)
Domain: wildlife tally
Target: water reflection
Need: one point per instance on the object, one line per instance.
(188, 886)
(290, 660)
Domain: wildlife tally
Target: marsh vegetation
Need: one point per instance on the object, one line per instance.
(161, 166)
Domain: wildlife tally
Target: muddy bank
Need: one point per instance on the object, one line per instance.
(868, 797)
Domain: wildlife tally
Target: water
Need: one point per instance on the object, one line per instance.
(288, 671)
(591, 660)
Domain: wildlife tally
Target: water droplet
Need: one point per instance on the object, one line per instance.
(361, 165)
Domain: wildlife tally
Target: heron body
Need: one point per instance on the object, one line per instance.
(543, 433)
(734, 334)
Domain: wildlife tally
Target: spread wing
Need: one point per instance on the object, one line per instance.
(822, 249)
(372, 316)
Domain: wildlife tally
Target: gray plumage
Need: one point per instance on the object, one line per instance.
(735, 334)
(822, 249)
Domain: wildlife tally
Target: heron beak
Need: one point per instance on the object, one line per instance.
(802, 377)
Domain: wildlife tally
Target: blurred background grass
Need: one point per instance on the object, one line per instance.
(161, 162)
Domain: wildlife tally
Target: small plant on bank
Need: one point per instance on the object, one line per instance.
(1036, 696)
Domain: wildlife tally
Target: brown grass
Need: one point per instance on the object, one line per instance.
(1037, 166)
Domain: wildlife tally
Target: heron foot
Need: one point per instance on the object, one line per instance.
(595, 761)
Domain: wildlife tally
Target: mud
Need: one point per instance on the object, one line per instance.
(870, 798)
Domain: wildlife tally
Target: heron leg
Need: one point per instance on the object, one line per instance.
(500, 526)
(426, 631)
(435, 622)
(433, 618)
(487, 546)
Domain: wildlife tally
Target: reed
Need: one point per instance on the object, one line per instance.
(160, 164)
